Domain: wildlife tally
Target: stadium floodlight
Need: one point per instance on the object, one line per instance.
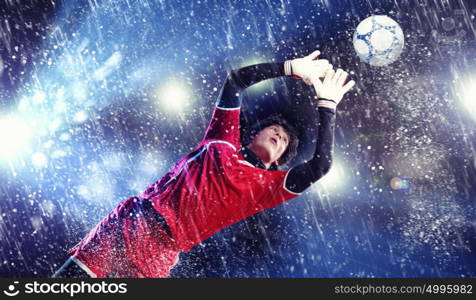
(469, 100)
(466, 92)
(15, 135)
(173, 96)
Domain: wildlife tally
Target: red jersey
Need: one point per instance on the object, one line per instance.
(207, 190)
(215, 187)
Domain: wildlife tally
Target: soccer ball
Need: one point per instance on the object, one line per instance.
(378, 40)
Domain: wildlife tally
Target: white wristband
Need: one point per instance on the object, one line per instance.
(287, 68)
(326, 103)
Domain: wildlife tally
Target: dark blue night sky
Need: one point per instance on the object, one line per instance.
(87, 120)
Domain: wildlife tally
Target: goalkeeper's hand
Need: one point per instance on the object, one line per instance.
(332, 88)
(306, 68)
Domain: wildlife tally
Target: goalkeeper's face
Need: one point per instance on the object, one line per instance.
(270, 143)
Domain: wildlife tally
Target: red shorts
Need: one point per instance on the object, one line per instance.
(129, 242)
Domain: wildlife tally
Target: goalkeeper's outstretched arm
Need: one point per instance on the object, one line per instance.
(330, 92)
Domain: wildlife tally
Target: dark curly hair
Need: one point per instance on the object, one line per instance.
(291, 150)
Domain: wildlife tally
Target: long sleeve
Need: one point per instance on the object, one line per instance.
(237, 80)
(303, 175)
(225, 121)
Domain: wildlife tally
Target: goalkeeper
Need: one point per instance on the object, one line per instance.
(218, 184)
